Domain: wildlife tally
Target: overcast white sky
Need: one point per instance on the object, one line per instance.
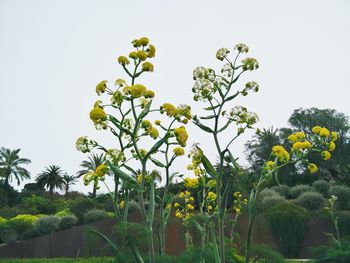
(53, 53)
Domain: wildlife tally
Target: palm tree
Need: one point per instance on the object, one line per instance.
(51, 177)
(10, 166)
(69, 180)
(90, 165)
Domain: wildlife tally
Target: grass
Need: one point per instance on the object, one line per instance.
(59, 260)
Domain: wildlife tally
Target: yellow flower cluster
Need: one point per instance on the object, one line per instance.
(238, 203)
(270, 166)
(117, 98)
(301, 145)
(181, 111)
(185, 206)
(281, 153)
(84, 145)
(96, 176)
(191, 182)
(137, 91)
(149, 129)
(101, 87)
(179, 151)
(326, 155)
(312, 168)
(196, 155)
(122, 60)
(147, 66)
(121, 204)
(321, 131)
(99, 117)
(181, 135)
(298, 136)
(169, 109)
(211, 196)
(211, 184)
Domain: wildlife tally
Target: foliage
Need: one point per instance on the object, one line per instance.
(80, 206)
(343, 222)
(265, 253)
(52, 178)
(311, 200)
(298, 190)
(343, 195)
(48, 224)
(333, 253)
(38, 204)
(94, 215)
(68, 221)
(60, 260)
(22, 223)
(268, 198)
(9, 212)
(322, 187)
(283, 190)
(11, 166)
(64, 212)
(288, 225)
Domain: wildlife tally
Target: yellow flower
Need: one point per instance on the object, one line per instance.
(101, 170)
(101, 87)
(190, 207)
(237, 194)
(210, 208)
(316, 129)
(178, 151)
(117, 97)
(191, 199)
(176, 205)
(181, 135)
(326, 155)
(211, 196)
(281, 153)
(238, 211)
(142, 55)
(331, 146)
(151, 51)
(149, 94)
(143, 41)
(133, 55)
(123, 60)
(334, 136)
(137, 90)
(97, 115)
(121, 204)
(120, 82)
(184, 110)
(178, 214)
(147, 66)
(157, 122)
(169, 109)
(181, 195)
(139, 178)
(211, 184)
(126, 90)
(147, 125)
(144, 102)
(191, 182)
(292, 138)
(270, 165)
(312, 168)
(154, 133)
(301, 145)
(324, 132)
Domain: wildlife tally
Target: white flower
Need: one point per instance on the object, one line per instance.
(200, 73)
(227, 70)
(243, 48)
(252, 85)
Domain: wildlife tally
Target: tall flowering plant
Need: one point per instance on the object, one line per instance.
(142, 142)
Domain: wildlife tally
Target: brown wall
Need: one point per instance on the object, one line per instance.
(73, 242)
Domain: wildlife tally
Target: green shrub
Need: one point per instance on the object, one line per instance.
(48, 224)
(22, 223)
(80, 206)
(30, 234)
(267, 198)
(297, 190)
(333, 253)
(94, 215)
(282, 189)
(9, 212)
(343, 194)
(322, 187)
(9, 235)
(343, 222)
(68, 221)
(311, 200)
(64, 212)
(38, 205)
(288, 225)
(265, 253)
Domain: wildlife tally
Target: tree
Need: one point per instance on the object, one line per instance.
(68, 181)
(51, 177)
(10, 166)
(90, 165)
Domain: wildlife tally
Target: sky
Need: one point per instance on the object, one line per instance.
(53, 53)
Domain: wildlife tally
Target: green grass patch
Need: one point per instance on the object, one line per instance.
(59, 260)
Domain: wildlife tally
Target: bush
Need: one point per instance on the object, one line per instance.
(311, 200)
(297, 190)
(288, 225)
(9, 212)
(322, 187)
(48, 224)
(9, 235)
(269, 197)
(343, 222)
(333, 253)
(68, 221)
(265, 253)
(343, 194)
(64, 212)
(22, 223)
(38, 205)
(95, 215)
(282, 189)
(80, 206)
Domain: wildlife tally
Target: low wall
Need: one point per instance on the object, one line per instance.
(73, 242)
